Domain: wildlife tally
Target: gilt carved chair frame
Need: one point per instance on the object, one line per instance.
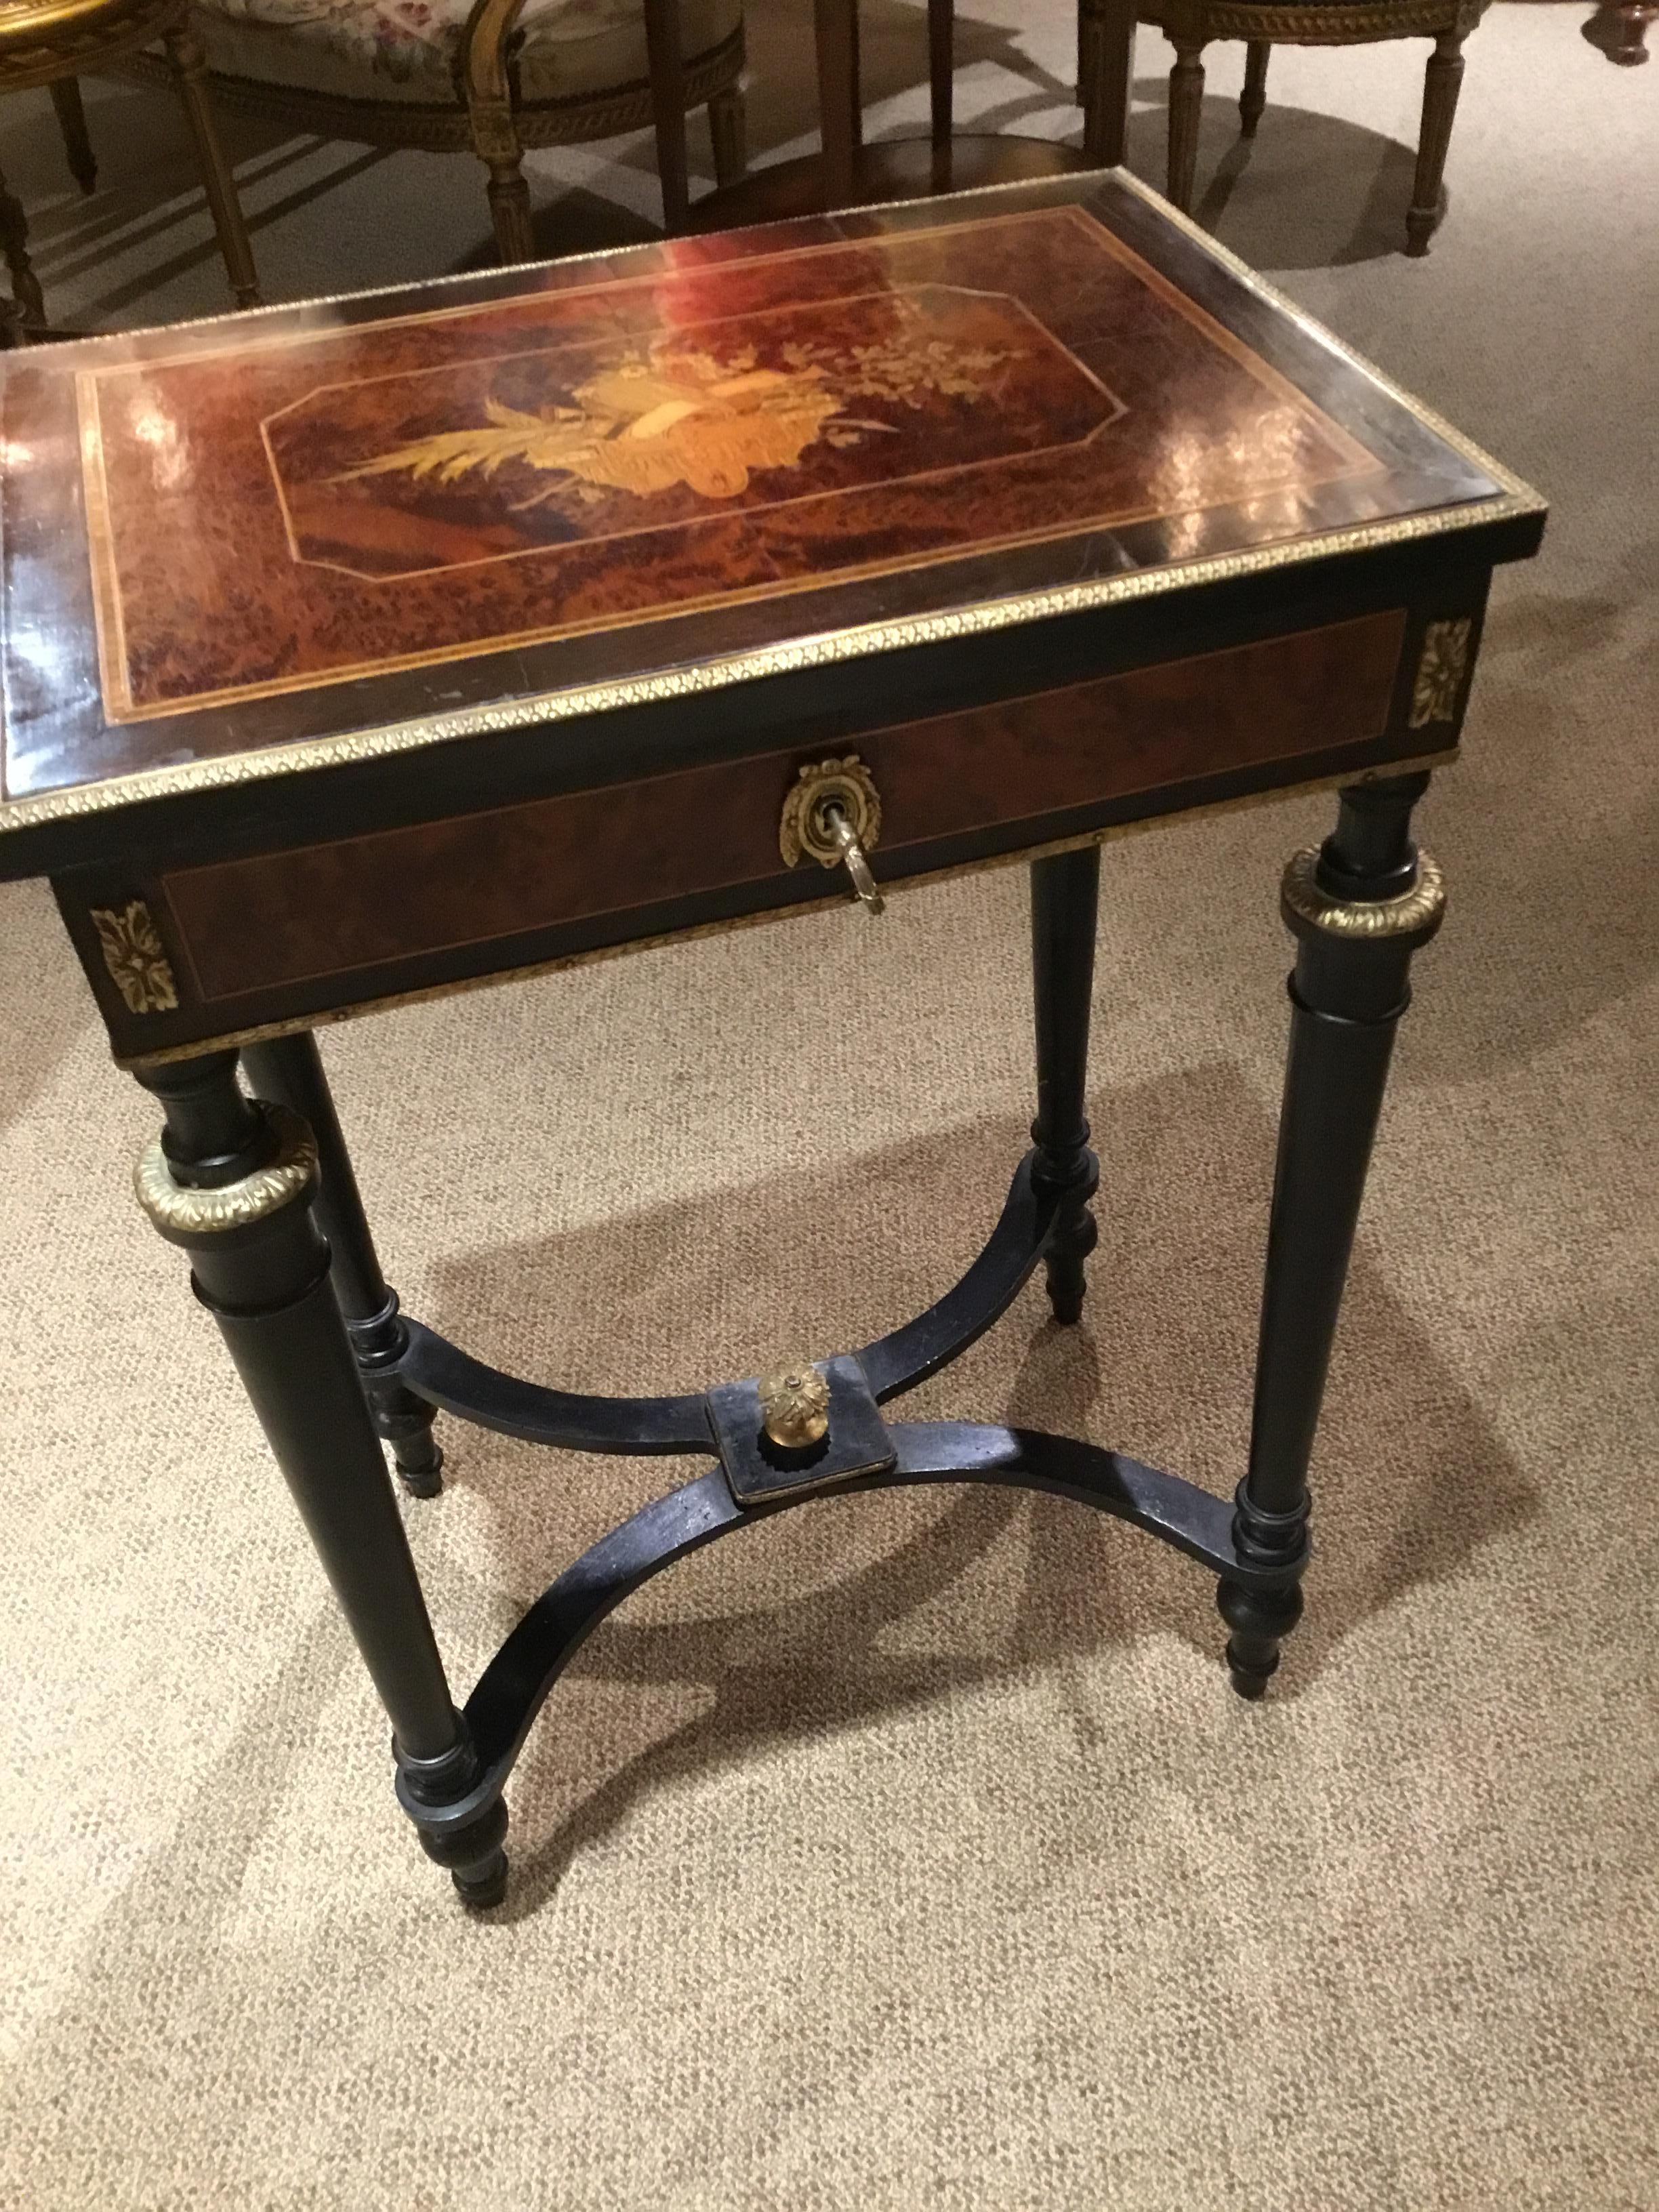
(487, 117)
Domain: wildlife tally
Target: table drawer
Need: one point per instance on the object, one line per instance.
(296, 917)
(314, 929)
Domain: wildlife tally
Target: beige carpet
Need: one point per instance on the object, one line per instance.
(911, 1851)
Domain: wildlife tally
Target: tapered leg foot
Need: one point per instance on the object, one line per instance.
(1360, 907)
(1186, 111)
(495, 142)
(1619, 29)
(1254, 98)
(232, 1180)
(662, 41)
(941, 63)
(1260, 1620)
(509, 211)
(1068, 1279)
(1106, 50)
(483, 1886)
(419, 1459)
(474, 1856)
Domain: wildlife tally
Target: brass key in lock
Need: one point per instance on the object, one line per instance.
(833, 816)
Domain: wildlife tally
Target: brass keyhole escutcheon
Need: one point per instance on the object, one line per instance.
(833, 816)
(794, 1404)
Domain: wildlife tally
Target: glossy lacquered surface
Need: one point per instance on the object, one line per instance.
(250, 534)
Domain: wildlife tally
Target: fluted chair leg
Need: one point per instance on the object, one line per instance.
(941, 68)
(1186, 107)
(481, 74)
(1441, 84)
(189, 63)
(662, 43)
(728, 130)
(1106, 53)
(509, 209)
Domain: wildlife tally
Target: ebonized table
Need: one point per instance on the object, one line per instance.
(363, 650)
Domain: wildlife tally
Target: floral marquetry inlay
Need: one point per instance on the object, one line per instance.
(637, 453)
(135, 956)
(615, 441)
(670, 418)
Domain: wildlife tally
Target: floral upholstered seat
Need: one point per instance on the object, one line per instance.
(407, 49)
(495, 76)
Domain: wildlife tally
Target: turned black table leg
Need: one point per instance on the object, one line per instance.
(232, 1181)
(1065, 892)
(1360, 905)
(290, 1070)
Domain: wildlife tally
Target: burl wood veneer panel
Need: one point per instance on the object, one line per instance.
(278, 514)
(288, 918)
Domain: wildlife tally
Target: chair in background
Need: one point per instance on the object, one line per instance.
(49, 42)
(494, 77)
(1106, 43)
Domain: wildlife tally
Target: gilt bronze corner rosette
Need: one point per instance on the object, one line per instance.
(1442, 671)
(186, 1215)
(136, 958)
(1415, 914)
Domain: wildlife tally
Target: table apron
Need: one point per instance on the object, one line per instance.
(277, 939)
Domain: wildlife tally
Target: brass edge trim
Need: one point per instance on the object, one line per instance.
(801, 654)
(427, 993)
(1515, 486)
(1411, 914)
(1517, 498)
(179, 1210)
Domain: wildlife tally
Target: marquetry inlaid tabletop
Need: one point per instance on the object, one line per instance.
(382, 514)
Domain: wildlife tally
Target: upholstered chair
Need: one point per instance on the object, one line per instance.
(47, 42)
(497, 76)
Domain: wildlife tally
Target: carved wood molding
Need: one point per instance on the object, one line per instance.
(1337, 23)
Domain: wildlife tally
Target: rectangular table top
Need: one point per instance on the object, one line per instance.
(263, 546)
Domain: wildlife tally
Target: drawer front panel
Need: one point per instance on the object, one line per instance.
(284, 920)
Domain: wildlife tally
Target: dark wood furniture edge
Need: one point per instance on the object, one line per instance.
(646, 724)
(951, 785)
(422, 994)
